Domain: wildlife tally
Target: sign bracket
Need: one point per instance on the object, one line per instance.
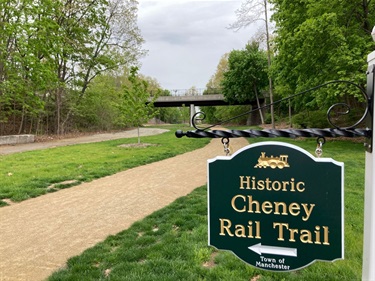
(350, 131)
(368, 271)
(370, 99)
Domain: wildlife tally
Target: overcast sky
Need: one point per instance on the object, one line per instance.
(185, 39)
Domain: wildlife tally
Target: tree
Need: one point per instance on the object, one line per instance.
(50, 51)
(170, 115)
(136, 106)
(250, 12)
(214, 83)
(97, 36)
(246, 75)
(25, 72)
(98, 109)
(193, 91)
(318, 41)
(214, 87)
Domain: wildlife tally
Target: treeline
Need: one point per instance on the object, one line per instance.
(51, 51)
(64, 64)
(313, 42)
(119, 101)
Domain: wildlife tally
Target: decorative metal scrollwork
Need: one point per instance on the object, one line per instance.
(337, 131)
(348, 109)
(198, 118)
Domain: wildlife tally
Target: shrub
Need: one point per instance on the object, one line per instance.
(310, 119)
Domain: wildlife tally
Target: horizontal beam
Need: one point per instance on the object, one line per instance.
(199, 100)
(273, 133)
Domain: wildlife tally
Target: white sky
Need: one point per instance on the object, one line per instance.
(186, 39)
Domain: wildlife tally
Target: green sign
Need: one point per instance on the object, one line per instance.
(276, 206)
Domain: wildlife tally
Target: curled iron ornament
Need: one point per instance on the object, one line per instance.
(350, 131)
(365, 96)
(199, 116)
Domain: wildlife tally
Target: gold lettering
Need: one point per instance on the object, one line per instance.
(234, 206)
(326, 231)
(260, 185)
(317, 235)
(240, 231)
(300, 189)
(305, 236)
(225, 228)
(277, 209)
(242, 182)
(268, 184)
(308, 211)
(257, 230)
(241, 204)
(267, 207)
(294, 209)
(253, 183)
(292, 231)
(251, 203)
(285, 183)
(278, 185)
(280, 226)
(250, 228)
(292, 185)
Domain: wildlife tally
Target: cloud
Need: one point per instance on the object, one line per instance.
(186, 39)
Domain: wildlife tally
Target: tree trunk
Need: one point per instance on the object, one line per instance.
(290, 114)
(58, 111)
(366, 24)
(258, 104)
(269, 64)
(139, 136)
(20, 128)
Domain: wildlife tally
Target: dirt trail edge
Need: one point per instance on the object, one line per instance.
(37, 236)
(8, 149)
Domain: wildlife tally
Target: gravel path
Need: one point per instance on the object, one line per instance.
(38, 235)
(8, 149)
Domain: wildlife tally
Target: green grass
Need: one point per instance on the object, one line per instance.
(171, 244)
(30, 174)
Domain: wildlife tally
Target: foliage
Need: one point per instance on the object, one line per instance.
(137, 104)
(170, 115)
(214, 83)
(98, 109)
(50, 51)
(240, 75)
(213, 87)
(224, 113)
(252, 11)
(246, 75)
(25, 71)
(310, 119)
(319, 41)
(30, 174)
(171, 244)
(211, 114)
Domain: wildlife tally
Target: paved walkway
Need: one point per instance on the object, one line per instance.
(8, 149)
(38, 235)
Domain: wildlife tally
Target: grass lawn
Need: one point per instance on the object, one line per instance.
(30, 174)
(171, 244)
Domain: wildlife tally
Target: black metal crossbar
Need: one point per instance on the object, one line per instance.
(350, 132)
(272, 133)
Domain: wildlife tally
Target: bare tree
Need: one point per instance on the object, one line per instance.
(249, 13)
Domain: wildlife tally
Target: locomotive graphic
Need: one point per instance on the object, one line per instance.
(273, 162)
